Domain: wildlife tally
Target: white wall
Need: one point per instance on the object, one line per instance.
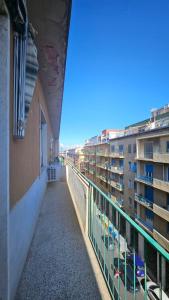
(23, 218)
(4, 151)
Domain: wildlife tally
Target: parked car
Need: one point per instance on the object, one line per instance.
(117, 262)
(108, 242)
(129, 275)
(139, 264)
(153, 290)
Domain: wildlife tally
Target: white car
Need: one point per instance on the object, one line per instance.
(154, 291)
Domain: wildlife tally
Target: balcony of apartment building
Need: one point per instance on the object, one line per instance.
(81, 239)
(101, 220)
(116, 151)
(154, 174)
(117, 154)
(145, 217)
(116, 184)
(143, 201)
(102, 153)
(118, 201)
(116, 166)
(155, 148)
(103, 164)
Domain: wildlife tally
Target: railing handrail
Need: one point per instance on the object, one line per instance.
(153, 243)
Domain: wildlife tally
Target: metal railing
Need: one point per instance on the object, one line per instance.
(145, 178)
(123, 248)
(143, 200)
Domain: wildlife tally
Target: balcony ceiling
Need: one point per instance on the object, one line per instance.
(51, 21)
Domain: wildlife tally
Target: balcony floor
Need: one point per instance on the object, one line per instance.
(57, 266)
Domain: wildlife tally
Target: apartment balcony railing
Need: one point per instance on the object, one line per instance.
(103, 178)
(102, 153)
(118, 154)
(142, 199)
(119, 202)
(145, 179)
(91, 171)
(161, 239)
(92, 162)
(118, 170)
(103, 165)
(162, 157)
(144, 223)
(162, 212)
(101, 220)
(161, 184)
(117, 185)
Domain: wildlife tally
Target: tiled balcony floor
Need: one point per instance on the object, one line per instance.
(57, 265)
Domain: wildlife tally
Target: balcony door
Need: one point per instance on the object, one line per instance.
(149, 193)
(148, 150)
(149, 170)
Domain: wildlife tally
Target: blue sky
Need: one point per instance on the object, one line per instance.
(117, 65)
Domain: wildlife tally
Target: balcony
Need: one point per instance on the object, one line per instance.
(118, 154)
(103, 178)
(161, 185)
(145, 156)
(92, 162)
(161, 212)
(102, 165)
(118, 170)
(146, 225)
(117, 185)
(91, 171)
(58, 265)
(144, 201)
(102, 153)
(119, 202)
(144, 179)
(161, 157)
(161, 239)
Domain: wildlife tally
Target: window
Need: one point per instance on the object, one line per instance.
(149, 170)
(167, 146)
(130, 185)
(167, 174)
(167, 227)
(121, 163)
(130, 200)
(43, 141)
(25, 75)
(121, 148)
(134, 167)
(113, 162)
(149, 214)
(148, 150)
(168, 201)
(129, 148)
(135, 186)
(113, 190)
(130, 165)
(134, 148)
(112, 148)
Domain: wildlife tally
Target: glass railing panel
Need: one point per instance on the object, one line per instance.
(128, 256)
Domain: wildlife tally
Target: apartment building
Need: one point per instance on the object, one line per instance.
(34, 37)
(132, 168)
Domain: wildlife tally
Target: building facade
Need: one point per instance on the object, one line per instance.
(132, 168)
(32, 65)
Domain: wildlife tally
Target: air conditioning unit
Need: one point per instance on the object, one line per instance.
(51, 173)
